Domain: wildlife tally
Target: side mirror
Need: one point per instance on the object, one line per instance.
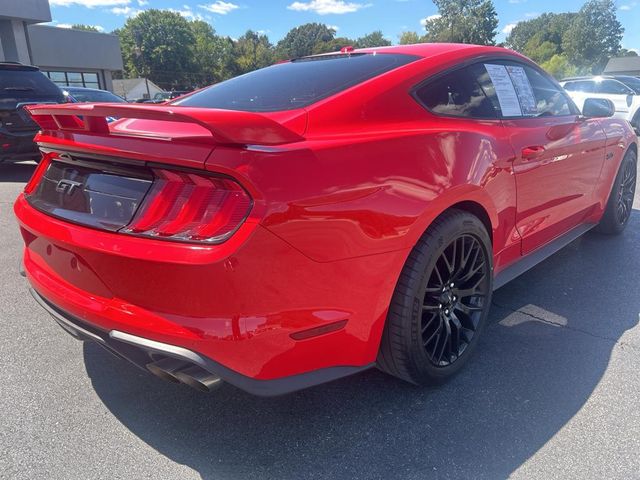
(598, 107)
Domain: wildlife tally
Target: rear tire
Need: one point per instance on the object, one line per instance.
(618, 209)
(441, 301)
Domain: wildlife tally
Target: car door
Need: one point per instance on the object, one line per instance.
(558, 157)
(618, 93)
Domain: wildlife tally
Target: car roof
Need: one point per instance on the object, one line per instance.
(426, 50)
(17, 66)
(594, 77)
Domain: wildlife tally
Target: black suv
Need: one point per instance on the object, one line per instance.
(22, 85)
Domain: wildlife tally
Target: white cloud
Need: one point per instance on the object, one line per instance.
(63, 25)
(220, 7)
(517, 1)
(186, 12)
(324, 7)
(334, 27)
(424, 21)
(126, 11)
(88, 3)
(508, 27)
(142, 3)
(628, 6)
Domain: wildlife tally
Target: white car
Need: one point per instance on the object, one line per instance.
(622, 90)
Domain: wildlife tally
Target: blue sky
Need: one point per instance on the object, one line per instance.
(351, 18)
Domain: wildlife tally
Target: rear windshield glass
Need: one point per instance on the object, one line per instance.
(94, 96)
(26, 84)
(295, 84)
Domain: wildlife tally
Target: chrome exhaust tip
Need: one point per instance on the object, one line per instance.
(167, 368)
(198, 378)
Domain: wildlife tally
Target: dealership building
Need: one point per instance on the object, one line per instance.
(69, 57)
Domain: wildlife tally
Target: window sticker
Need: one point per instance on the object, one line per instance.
(505, 91)
(523, 90)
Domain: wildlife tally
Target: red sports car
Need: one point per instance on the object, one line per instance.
(318, 217)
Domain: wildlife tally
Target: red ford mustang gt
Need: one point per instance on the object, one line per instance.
(318, 217)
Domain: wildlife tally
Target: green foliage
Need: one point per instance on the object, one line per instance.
(559, 67)
(373, 39)
(158, 44)
(409, 38)
(594, 36)
(301, 41)
(333, 45)
(463, 21)
(252, 51)
(579, 42)
(88, 28)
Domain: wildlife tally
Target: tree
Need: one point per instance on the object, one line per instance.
(253, 51)
(301, 41)
(213, 56)
(627, 53)
(541, 38)
(463, 21)
(88, 28)
(333, 45)
(594, 36)
(158, 44)
(408, 38)
(373, 39)
(560, 67)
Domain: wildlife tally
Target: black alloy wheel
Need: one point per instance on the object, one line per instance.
(455, 297)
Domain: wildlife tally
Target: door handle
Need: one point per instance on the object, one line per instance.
(532, 152)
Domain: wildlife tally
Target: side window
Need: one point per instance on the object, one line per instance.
(459, 93)
(549, 99)
(584, 86)
(612, 87)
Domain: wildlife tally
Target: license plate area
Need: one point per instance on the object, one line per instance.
(94, 194)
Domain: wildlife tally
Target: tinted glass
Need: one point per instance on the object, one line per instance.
(460, 93)
(295, 84)
(579, 86)
(550, 99)
(90, 196)
(94, 96)
(612, 87)
(632, 82)
(26, 84)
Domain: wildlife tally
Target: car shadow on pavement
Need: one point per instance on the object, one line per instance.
(550, 340)
(17, 172)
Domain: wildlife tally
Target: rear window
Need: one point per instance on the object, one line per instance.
(94, 96)
(295, 84)
(26, 84)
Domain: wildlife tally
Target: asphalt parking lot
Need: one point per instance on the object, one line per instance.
(553, 392)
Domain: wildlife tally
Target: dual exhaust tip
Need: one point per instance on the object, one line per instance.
(179, 371)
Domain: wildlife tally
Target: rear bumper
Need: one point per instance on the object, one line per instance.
(238, 305)
(140, 351)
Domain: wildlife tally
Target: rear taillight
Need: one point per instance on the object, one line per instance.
(188, 207)
(39, 172)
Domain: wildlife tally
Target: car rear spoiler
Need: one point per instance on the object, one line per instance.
(225, 126)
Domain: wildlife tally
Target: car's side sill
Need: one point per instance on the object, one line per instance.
(532, 259)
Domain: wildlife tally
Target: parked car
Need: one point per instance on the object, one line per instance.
(162, 97)
(92, 95)
(21, 85)
(622, 90)
(319, 217)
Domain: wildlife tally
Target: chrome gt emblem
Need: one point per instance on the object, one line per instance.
(67, 187)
